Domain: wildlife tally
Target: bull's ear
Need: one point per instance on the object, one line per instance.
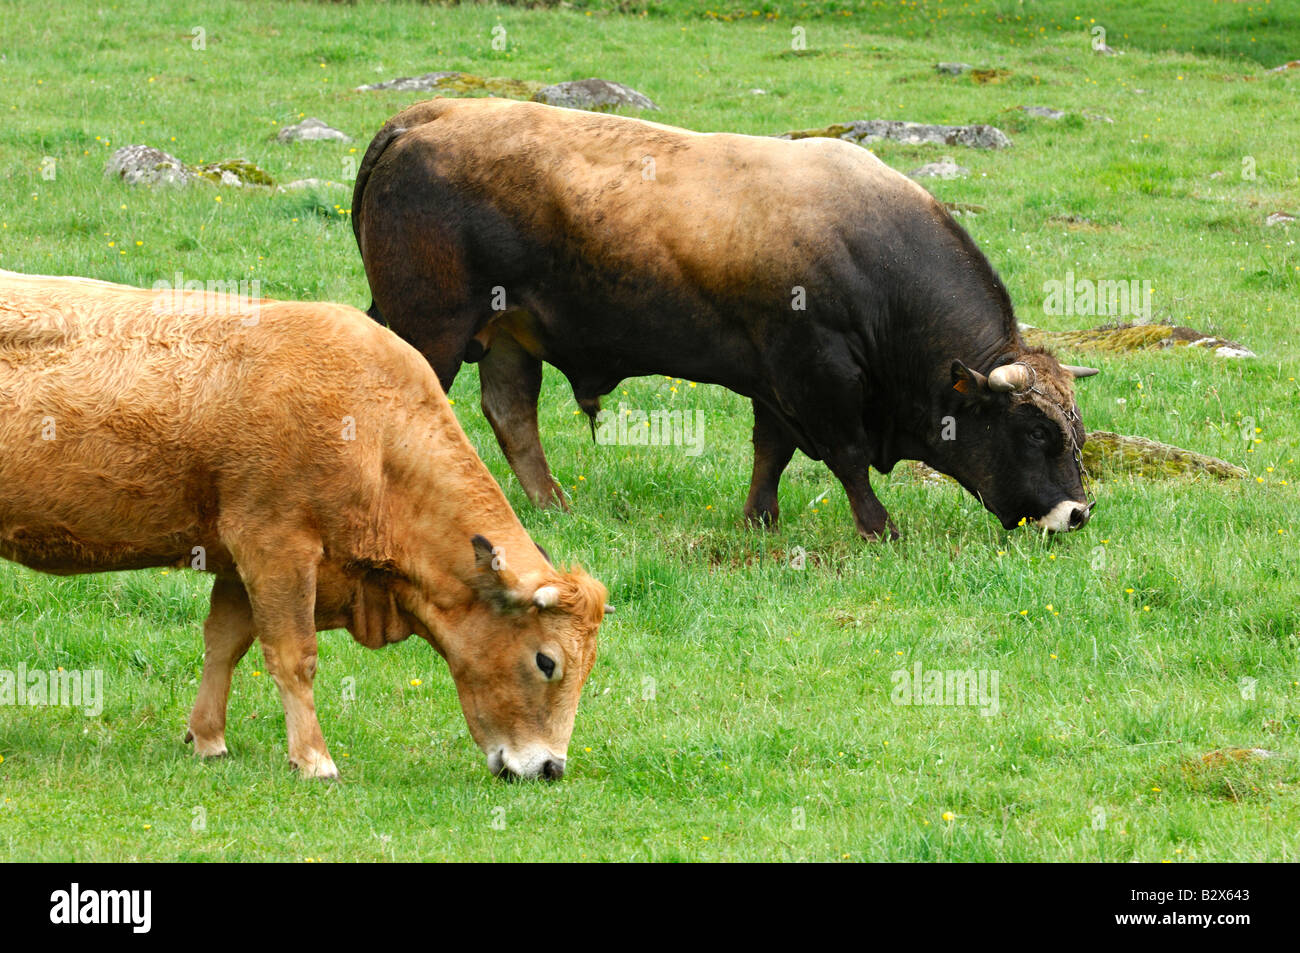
(968, 382)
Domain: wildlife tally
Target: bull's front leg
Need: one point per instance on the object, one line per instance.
(869, 514)
(227, 634)
(282, 590)
(773, 449)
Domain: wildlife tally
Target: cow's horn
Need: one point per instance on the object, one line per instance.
(546, 597)
(1009, 377)
(1077, 371)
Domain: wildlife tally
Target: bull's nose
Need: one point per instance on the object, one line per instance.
(1065, 516)
(553, 770)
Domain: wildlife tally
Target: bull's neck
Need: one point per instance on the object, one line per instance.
(919, 392)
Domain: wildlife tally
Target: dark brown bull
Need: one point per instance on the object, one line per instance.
(837, 294)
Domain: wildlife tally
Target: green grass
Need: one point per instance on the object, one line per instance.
(731, 690)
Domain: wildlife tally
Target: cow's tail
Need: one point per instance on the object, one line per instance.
(383, 139)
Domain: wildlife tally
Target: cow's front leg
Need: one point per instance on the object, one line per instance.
(868, 512)
(227, 634)
(282, 589)
(291, 662)
(773, 449)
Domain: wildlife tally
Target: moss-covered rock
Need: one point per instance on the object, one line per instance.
(1106, 453)
(861, 131)
(233, 172)
(454, 83)
(1133, 337)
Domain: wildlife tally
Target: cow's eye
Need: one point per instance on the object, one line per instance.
(1039, 434)
(546, 664)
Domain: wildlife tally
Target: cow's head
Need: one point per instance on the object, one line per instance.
(1016, 441)
(519, 659)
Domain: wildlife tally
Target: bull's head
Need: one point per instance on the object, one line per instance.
(1017, 440)
(519, 660)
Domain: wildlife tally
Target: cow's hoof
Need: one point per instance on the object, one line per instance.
(211, 748)
(761, 519)
(318, 767)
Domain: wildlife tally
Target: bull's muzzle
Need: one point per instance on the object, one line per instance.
(1065, 516)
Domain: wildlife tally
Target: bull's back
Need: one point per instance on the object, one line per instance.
(638, 196)
(656, 249)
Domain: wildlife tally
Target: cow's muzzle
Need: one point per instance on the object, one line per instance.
(533, 764)
(1065, 516)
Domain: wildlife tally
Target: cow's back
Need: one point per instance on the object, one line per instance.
(130, 421)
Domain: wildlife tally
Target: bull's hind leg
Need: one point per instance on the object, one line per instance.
(511, 381)
(773, 449)
(227, 634)
(281, 586)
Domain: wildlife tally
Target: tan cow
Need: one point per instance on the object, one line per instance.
(309, 459)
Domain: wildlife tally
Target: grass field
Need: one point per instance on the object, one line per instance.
(740, 708)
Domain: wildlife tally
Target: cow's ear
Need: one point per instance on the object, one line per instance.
(969, 382)
(492, 580)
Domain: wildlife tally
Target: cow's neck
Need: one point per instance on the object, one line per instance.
(441, 507)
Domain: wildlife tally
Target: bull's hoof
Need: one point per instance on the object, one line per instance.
(881, 534)
(553, 499)
(762, 519)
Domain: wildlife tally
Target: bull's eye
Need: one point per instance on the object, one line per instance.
(1039, 434)
(546, 664)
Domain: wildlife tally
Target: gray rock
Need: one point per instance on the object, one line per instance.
(412, 84)
(597, 94)
(1097, 117)
(858, 131)
(310, 129)
(1105, 50)
(944, 169)
(1279, 218)
(145, 165)
(303, 185)
(1046, 112)
(953, 69)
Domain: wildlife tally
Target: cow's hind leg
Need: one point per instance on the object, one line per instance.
(773, 449)
(227, 634)
(281, 587)
(511, 380)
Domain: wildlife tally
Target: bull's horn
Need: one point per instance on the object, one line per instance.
(546, 597)
(1009, 377)
(1080, 371)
